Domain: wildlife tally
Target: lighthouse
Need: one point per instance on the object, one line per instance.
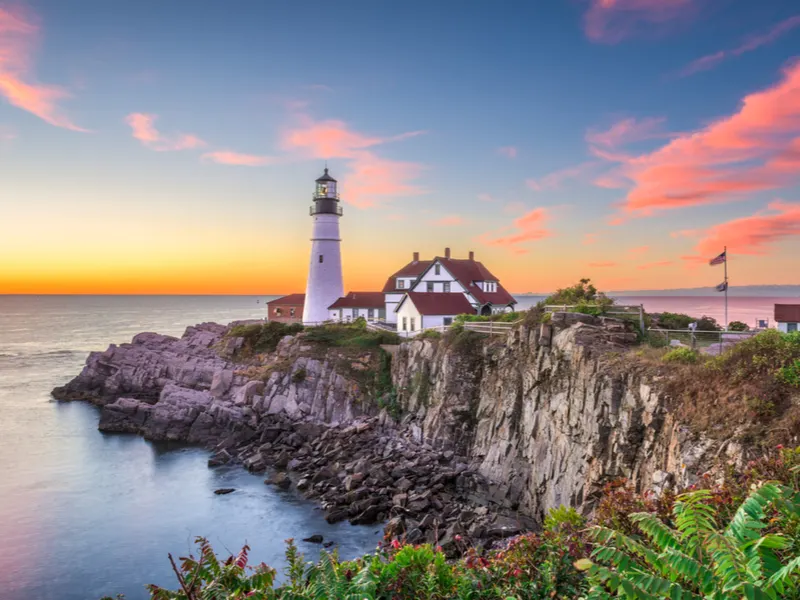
(324, 284)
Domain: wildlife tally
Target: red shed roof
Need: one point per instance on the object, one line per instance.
(439, 303)
(291, 299)
(360, 300)
(787, 313)
(413, 269)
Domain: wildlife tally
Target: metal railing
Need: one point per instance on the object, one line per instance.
(698, 340)
(324, 196)
(313, 211)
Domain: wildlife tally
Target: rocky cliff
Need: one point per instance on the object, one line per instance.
(471, 436)
(550, 414)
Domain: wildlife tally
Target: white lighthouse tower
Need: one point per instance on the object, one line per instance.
(324, 285)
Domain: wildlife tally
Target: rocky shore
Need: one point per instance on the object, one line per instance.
(301, 416)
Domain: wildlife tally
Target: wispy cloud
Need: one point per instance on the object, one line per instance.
(371, 178)
(754, 149)
(626, 131)
(589, 239)
(19, 35)
(639, 250)
(529, 227)
(602, 264)
(449, 221)
(227, 157)
(611, 21)
(556, 179)
(754, 235)
(508, 151)
(143, 129)
(752, 42)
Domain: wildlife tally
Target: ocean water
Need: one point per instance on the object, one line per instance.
(85, 514)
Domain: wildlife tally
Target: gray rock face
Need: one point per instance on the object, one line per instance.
(549, 424)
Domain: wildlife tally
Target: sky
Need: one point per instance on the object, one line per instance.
(172, 147)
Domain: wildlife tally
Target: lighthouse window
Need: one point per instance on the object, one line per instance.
(320, 258)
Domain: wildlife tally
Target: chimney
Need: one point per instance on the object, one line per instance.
(416, 256)
(471, 255)
(447, 252)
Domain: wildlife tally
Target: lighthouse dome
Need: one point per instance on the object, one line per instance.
(326, 177)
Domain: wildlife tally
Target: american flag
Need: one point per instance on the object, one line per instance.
(722, 286)
(719, 259)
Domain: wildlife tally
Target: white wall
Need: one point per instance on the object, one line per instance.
(438, 281)
(391, 303)
(409, 311)
(324, 284)
(346, 315)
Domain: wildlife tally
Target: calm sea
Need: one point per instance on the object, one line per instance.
(83, 514)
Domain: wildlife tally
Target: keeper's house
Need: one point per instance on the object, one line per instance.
(288, 309)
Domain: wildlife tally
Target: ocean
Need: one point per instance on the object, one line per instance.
(85, 514)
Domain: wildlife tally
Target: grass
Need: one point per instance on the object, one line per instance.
(349, 335)
(262, 337)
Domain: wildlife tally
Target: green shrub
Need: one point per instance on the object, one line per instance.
(263, 337)
(583, 292)
(668, 320)
(563, 517)
(763, 355)
(354, 335)
(738, 326)
(790, 374)
(686, 356)
(429, 334)
(505, 317)
(690, 556)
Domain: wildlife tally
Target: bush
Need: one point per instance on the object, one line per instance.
(429, 334)
(354, 335)
(563, 517)
(738, 326)
(685, 356)
(584, 296)
(263, 337)
(669, 320)
(505, 317)
(769, 354)
(790, 374)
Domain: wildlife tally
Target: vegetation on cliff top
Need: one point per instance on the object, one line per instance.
(737, 539)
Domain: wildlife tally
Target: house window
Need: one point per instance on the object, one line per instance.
(430, 286)
(405, 323)
(790, 327)
(447, 321)
(278, 312)
(413, 324)
(400, 284)
(437, 269)
(291, 312)
(446, 287)
(371, 313)
(321, 258)
(355, 313)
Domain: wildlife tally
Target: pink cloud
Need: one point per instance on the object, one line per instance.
(589, 239)
(144, 130)
(371, 178)
(753, 42)
(639, 250)
(754, 149)
(227, 157)
(529, 227)
(555, 179)
(627, 131)
(655, 265)
(611, 21)
(753, 235)
(602, 265)
(508, 151)
(449, 221)
(19, 34)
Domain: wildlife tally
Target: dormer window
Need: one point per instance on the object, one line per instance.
(437, 269)
(401, 284)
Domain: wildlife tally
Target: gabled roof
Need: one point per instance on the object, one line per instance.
(467, 272)
(787, 313)
(413, 269)
(438, 303)
(360, 300)
(293, 299)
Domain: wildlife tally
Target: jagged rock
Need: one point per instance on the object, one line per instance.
(223, 491)
(314, 539)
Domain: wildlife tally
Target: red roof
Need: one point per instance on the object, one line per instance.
(467, 271)
(439, 303)
(787, 313)
(413, 269)
(360, 300)
(291, 299)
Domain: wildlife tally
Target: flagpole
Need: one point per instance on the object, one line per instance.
(725, 325)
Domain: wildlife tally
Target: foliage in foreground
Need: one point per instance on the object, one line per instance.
(584, 296)
(263, 337)
(641, 547)
(350, 335)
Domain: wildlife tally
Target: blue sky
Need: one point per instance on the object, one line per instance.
(448, 124)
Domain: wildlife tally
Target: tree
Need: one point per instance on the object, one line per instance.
(582, 293)
(738, 326)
